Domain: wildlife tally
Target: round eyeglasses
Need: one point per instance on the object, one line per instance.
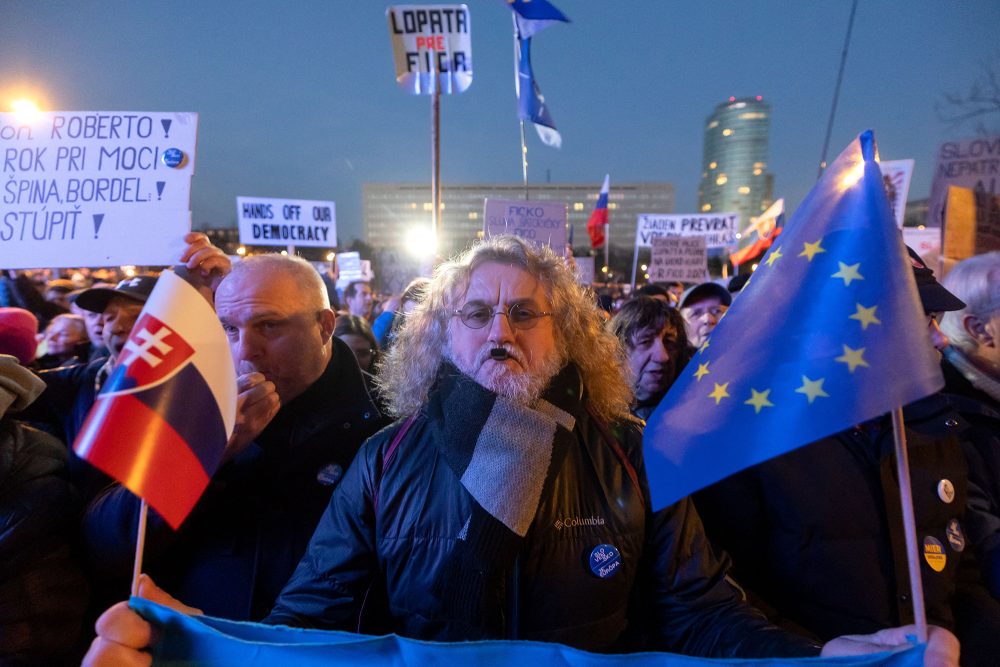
(478, 315)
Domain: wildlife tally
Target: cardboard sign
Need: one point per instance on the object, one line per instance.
(429, 39)
(540, 222)
(95, 188)
(896, 175)
(678, 258)
(973, 164)
(718, 229)
(585, 270)
(972, 225)
(298, 222)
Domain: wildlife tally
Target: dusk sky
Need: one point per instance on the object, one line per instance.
(299, 100)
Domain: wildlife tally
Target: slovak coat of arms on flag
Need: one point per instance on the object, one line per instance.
(163, 417)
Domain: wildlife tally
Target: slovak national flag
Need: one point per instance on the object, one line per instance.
(162, 420)
(599, 218)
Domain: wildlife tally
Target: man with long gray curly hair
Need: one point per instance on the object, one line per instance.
(510, 498)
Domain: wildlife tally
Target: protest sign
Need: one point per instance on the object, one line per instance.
(972, 225)
(349, 266)
(299, 222)
(718, 229)
(973, 164)
(541, 223)
(584, 270)
(428, 39)
(678, 258)
(896, 175)
(93, 188)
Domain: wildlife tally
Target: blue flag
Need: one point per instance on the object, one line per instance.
(828, 333)
(201, 640)
(530, 101)
(533, 16)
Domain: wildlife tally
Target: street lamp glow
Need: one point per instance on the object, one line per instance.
(421, 241)
(330, 256)
(241, 251)
(24, 109)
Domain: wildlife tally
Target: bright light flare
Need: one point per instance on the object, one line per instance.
(25, 110)
(421, 241)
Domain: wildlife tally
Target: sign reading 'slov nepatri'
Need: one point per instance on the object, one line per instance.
(95, 188)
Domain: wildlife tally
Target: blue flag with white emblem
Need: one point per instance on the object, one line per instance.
(829, 332)
(533, 16)
(530, 101)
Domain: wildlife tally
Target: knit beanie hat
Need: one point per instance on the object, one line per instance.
(17, 334)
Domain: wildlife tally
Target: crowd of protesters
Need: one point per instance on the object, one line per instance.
(419, 530)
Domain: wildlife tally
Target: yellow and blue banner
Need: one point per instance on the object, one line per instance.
(202, 640)
(828, 333)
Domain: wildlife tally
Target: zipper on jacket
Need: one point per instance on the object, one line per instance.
(513, 600)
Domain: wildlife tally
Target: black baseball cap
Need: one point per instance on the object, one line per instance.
(933, 296)
(96, 299)
(703, 291)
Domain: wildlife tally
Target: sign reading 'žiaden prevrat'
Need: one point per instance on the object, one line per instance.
(94, 188)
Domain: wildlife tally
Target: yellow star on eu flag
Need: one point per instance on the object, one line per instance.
(866, 316)
(719, 392)
(853, 358)
(810, 250)
(773, 257)
(848, 273)
(702, 371)
(758, 399)
(812, 388)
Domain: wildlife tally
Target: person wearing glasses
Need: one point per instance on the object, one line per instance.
(509, 500)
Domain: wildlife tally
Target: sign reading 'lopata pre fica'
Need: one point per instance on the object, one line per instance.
(94, 188)
(429, 39)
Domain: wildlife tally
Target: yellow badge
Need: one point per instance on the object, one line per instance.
(934, 554)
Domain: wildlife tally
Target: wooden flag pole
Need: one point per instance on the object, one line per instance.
(909, 525)
(140, 545)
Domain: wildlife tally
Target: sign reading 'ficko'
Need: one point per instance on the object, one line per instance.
(298, 222)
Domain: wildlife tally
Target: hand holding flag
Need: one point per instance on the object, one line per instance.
(161, 422)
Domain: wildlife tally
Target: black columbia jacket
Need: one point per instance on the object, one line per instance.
(375, 567)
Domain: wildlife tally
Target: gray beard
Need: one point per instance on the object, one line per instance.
(521, 388)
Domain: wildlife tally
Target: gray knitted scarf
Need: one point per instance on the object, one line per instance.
(505, 455)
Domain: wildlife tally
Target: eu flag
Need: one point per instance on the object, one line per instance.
(828, 333)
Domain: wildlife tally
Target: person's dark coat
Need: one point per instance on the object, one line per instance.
(234, 553)
(817, 534)
(380, 567)
(43, 594)
(982, 451)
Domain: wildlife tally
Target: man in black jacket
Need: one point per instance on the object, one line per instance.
(511, 499)
(303, 412)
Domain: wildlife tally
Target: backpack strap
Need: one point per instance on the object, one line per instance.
(619, 452)
(389, 454)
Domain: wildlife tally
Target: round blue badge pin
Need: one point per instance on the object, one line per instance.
(605, 560)
(173, 157)
(329, 474)
(955, 537)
